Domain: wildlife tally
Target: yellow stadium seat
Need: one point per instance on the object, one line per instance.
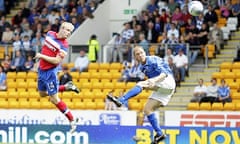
(88, 95)
(67, 95)
(95, 76)
(33, 94)
(222, 22)
(104, 66)
(229, 107)
(229, 75)
(211, 50)
(32, 86)
(96, 85)
(92, 70)
(100, 105)
(11, 75)
(118, 92)
(11, 80)
(21, 75)
(105, 80)
(105, 75)
(83, 80)
(70, 65)
(218, 12)
(69, 104)
(237, 77)
(75, 75)
(114, 71)
(94, 80)
(35, 104)
(90, 105)
(86, 85)
(84, 75)
(3, 94)
(79, 105)
(11, 85)
(205, 106)
(108, 85)
(135, 106)
(120, 86)
(217, 106)
(235, 96)
(217, 75)
(23, 94)
(13, 104)
(225, 70)
(116, 66)
(226, 65)
(130, 85)
(93, 66)
(24, 104)
(77, 96)
(97, 100)
(193, 106)
(236, 65)
(233, 86)
(46, 105)
(3, 104)
(99, 95)
(22, 86)
(143, 95)
(12, 94)
(237, 106)
(236, 71)
(32, 75)
(103, 70)
(30, 80)
(87, 100)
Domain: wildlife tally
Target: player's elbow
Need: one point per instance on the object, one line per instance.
(57, 60)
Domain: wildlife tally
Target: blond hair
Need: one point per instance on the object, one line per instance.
(137, 48)
(67, 25)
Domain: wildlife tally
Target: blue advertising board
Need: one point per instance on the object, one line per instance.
(55, 134)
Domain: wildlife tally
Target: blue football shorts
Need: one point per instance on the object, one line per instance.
(48, 81)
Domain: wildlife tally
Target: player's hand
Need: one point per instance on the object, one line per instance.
(37, 56)
(151, 83)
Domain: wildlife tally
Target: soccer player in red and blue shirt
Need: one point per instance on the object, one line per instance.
(53, 51)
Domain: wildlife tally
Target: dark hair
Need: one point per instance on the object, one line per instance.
(93, 36)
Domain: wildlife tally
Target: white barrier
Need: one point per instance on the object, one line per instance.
(89, 117)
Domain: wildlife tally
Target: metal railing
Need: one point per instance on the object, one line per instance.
(105, 52)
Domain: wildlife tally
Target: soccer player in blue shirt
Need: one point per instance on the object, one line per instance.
(160, 81)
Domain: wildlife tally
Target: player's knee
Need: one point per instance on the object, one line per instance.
(140, 84)
(43, 94)
(147, 110)
(53, 100)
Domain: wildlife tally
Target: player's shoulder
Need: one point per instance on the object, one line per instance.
(51, 33)
(154, 57)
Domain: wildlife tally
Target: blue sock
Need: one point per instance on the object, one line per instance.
(131, 93)
(155, 124)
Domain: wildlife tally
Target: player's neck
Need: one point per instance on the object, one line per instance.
(59, 36)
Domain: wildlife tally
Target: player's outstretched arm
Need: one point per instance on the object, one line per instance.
(53, 60)
(159, 78)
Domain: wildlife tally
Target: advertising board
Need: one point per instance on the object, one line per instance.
(54, 117)
(202, 118)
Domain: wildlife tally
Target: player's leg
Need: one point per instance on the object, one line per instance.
(52, 89)
(69, 86)
(131, 93)
(149, 109)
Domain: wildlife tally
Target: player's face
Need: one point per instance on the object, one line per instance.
(140, 55)
(65, 32)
